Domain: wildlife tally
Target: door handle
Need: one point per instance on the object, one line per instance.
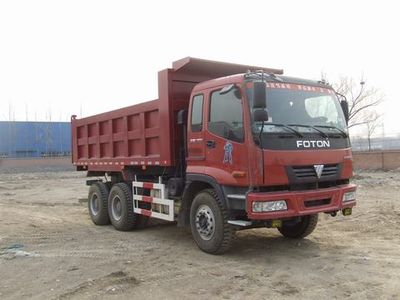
(210, 144)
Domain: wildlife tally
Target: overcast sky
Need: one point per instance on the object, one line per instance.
(61, 58)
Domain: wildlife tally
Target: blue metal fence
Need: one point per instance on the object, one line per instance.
(34, 139)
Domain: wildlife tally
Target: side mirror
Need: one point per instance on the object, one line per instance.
(345, 108)
(231, 87)
(226, 89)
(259, 95)
(260, 115)
(182, 117)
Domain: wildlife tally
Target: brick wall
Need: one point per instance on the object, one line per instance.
(374, 160)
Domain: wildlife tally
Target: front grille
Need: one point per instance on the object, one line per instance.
(309, 171)
(312, 203)
(307, 174)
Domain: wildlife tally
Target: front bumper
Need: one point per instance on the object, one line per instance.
(297, 202)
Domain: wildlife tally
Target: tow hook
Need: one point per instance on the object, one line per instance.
(332, 213)
(347, 211)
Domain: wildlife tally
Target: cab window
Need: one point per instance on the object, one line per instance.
(226, 115)
(197, 113)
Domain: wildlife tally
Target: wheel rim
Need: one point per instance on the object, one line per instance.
(205, 222)
(116, 208)
(94, 204)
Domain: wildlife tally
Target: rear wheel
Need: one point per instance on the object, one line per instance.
(97, 203)
(120, 207)
(300, 229)
(209, 223)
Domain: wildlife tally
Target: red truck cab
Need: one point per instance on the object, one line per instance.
(254, 149)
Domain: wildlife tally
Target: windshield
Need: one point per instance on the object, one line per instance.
(303, 109)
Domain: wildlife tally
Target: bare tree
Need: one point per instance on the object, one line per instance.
(372, 121)
(49, 114)
(362, 100)
(26, 112)
(11, 112)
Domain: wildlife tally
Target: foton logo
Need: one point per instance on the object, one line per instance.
(313, 144)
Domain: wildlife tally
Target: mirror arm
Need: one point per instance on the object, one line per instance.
(341, 95)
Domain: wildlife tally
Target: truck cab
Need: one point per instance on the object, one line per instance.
(276, 148)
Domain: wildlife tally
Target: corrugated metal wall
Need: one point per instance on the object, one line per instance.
(35, 139)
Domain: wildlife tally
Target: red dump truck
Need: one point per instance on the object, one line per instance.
(225, 147)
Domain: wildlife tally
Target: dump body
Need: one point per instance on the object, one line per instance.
(145, 134)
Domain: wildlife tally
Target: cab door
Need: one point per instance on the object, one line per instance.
(195, 139)
(225, 147)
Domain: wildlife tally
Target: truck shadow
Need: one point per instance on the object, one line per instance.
(247, 243)
(250, 242)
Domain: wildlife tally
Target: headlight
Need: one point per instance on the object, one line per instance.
(349, 196)
(266, 206)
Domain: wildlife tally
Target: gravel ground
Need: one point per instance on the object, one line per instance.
(49, 249)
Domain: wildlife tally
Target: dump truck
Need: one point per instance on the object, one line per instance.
(225, 147)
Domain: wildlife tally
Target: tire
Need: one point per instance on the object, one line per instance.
(120, 207)
(209, 223)
(98, 203)
(301, 229)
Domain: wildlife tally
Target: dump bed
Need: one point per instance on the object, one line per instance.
(145, 134)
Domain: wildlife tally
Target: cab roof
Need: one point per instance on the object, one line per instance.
(215, 69)
(202, 71)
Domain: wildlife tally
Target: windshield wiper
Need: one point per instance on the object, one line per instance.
(309, 126)
(297, 133)
(343, 133)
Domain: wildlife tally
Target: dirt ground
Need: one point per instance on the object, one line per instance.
(50, 249)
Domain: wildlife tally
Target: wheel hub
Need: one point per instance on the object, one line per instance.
(116, 208)
(205, 222)
(94, 204)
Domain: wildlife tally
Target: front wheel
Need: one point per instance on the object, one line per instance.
(209, 223)
(301, 229)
